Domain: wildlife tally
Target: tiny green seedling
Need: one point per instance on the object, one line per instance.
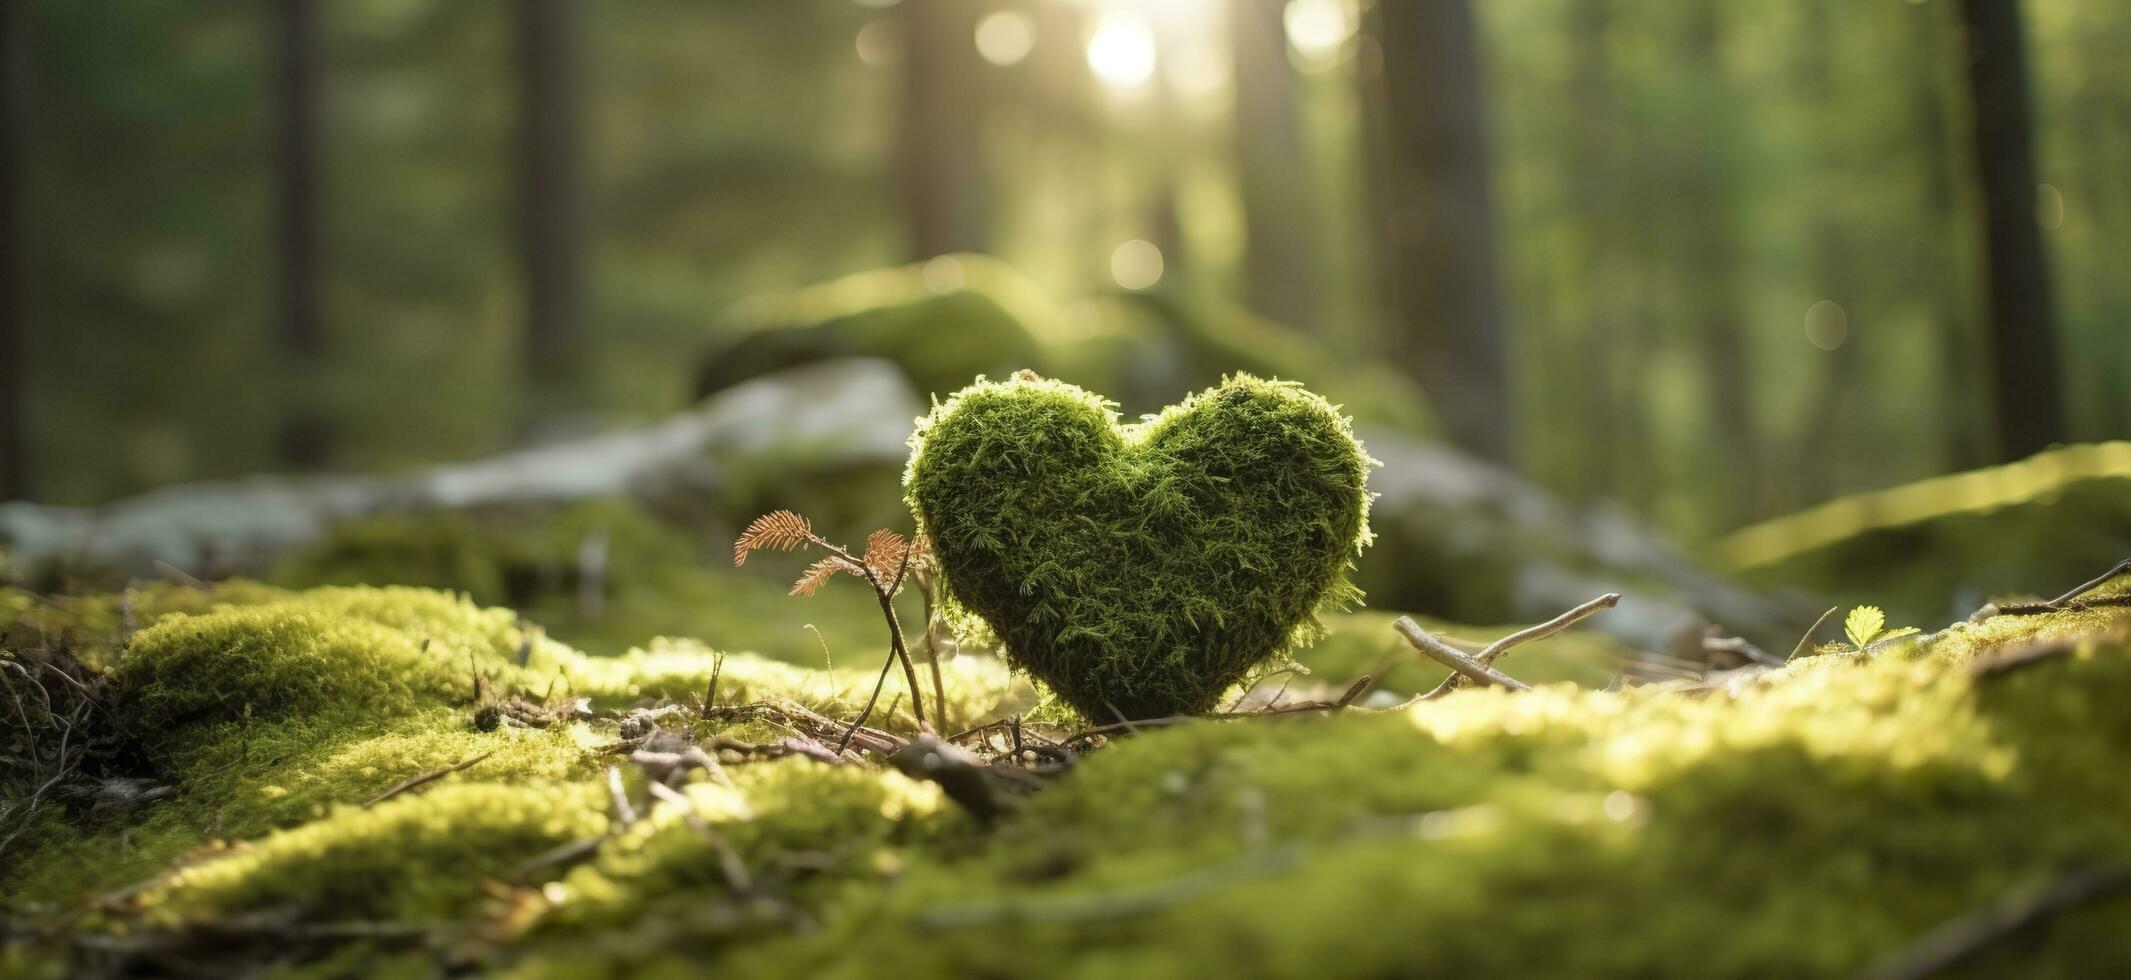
(1866, 625)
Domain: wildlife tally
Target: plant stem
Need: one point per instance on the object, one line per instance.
(902, 653)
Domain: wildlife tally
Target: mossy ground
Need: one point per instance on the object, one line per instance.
(1809, 822)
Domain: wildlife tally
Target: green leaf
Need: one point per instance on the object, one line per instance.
(1863, 624)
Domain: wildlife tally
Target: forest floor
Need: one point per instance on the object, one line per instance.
(237, 778)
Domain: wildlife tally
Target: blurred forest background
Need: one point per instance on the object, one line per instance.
(1713, 260)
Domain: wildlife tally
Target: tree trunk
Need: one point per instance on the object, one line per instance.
(16, 478)
(1825, 444)
(1710, 251)
(302, 438)
(1280, 268)
(1967, 435)
(1449, 332)
(551, 210)
(1592, 379)
(939, 137)
(2027, 393)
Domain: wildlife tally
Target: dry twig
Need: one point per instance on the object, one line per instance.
(2075, 599)
(1493, 651)
(424, 779)
(1805, 643)
(1442, 653)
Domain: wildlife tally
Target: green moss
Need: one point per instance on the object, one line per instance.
(1807, 824)
(942, 323)
(1142, 570)
(771, 812)
(357, 862)
(1941, 547)
(288, 659)
(96, 628)
(977, 687)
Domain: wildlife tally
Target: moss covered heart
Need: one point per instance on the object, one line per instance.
(1141, 569)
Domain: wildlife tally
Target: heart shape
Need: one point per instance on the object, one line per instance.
(1141, 570)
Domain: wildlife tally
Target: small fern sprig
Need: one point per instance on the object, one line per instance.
(889, 560)
(782, 530)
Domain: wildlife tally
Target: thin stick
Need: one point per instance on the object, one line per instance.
(902, 655)
(622, 810)
(425, 779)
(1805, 643)
(1442, 653)
(570, 851)
(1493, 651)
(730, 867)
(2072, 599)
(885, 591)
(932, 643)
(1548, 628)
(845, 742)
(1742, 647)
(2122, 568)
(1963, 937)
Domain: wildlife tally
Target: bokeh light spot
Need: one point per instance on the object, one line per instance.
(2049, 205)
(1318, 29)
(877, 46)
(943, 274)
(1006, 37)
(1827, 325)
(1121, 53)
(1136, 264)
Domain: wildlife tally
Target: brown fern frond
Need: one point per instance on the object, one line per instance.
(818, 574)
(884, 554)
(780, 529)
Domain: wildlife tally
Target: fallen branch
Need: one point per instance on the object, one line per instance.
(977, 785)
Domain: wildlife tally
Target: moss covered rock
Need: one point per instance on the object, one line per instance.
(943, 322)
(953, 318)
(1942, 547)
(1144, 570)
